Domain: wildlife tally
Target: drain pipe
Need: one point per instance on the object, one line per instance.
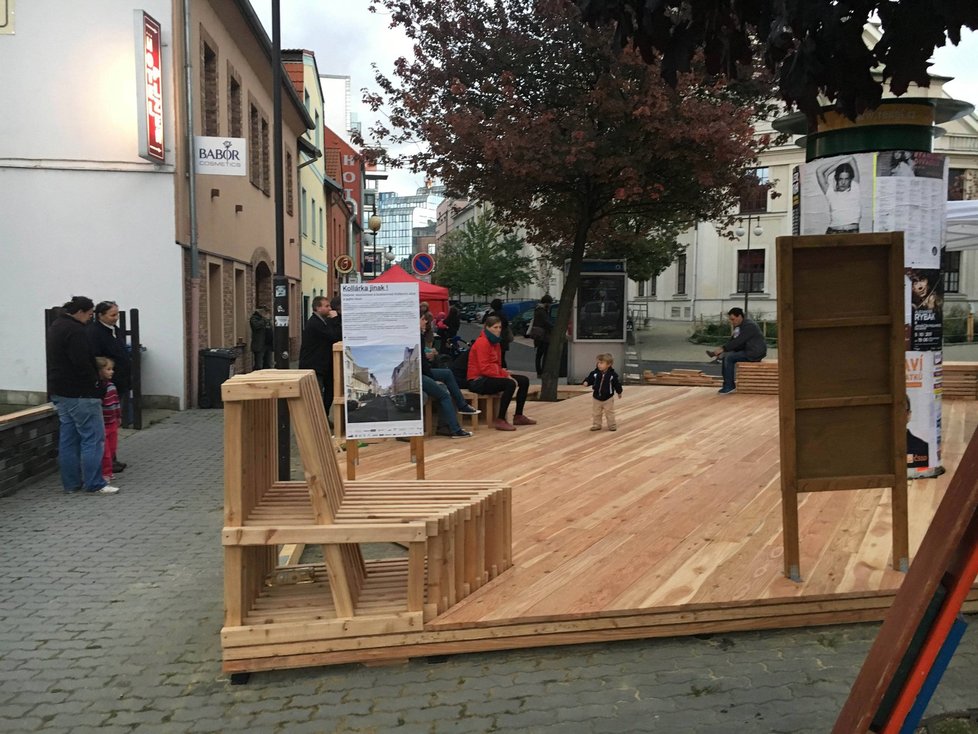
(192, 195)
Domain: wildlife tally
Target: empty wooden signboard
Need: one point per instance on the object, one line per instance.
(842, 375)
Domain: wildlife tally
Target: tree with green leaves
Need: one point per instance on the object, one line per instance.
(483, 259)
(522, 105)
(814, 47)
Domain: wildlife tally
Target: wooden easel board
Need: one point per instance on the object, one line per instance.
(841, 374)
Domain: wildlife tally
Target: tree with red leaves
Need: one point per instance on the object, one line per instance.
(522, 105)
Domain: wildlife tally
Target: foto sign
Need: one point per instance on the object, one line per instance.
(149, 86)
(220, 156)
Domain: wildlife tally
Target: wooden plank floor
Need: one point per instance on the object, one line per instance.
(670, 526)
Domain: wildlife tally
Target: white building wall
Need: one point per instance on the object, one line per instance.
(80, 212)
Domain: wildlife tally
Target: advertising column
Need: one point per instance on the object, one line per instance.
(895, 191)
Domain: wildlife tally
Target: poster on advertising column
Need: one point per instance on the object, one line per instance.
(911, 197)
(381, 360)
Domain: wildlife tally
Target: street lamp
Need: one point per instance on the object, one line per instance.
(374, 224)
(758, 230)
(389, 257)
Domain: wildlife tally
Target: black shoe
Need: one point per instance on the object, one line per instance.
(118, 466)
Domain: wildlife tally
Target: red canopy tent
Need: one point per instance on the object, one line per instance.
(435, 295)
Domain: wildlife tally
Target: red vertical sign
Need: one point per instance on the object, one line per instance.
(149, 77)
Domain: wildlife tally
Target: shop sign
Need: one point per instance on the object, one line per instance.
(149, 86)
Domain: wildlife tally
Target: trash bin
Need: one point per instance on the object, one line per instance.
(216, 365)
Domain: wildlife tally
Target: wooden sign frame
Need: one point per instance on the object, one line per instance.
(841, 365)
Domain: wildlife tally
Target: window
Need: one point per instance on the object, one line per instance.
(234, 105)
(750, 271)
(951, 267)
(313, 217)
(321, 227)
(254, 145)
(681, 275)
(753, 196)
(240, 313)
(303, 209)
(652, 286)
(265, 169)
(641, 289)
(209, 102)
(215, 305)
(955, 184)
(289, 184)
(317, 131)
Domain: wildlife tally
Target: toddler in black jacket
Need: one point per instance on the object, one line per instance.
(605, 383)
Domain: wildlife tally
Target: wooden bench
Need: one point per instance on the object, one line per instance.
(563, 391)
(960, 379)
(681, 377)
(431, 422)
(457, 533)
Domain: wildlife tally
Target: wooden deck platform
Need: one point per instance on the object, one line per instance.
(670, 526)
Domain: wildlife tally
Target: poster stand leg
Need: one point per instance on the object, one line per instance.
(352, 458)
(417, 455)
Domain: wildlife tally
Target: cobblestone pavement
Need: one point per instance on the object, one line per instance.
(110, 609)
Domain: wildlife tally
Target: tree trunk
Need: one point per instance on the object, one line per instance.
(558, 336)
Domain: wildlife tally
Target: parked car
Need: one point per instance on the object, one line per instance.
(522, 322)
(473, 311)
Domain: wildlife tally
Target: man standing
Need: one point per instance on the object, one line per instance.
(74, 390)
(322, 331)
(746, 345)
(261, 339)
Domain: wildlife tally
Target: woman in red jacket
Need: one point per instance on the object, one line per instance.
(486, 376)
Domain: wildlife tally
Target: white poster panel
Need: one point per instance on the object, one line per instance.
(382, 360)
(911, 197)
(220, 156)
(837, 195)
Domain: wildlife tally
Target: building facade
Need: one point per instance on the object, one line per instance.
(97, 202)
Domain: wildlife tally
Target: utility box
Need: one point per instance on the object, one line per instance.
(216, 366)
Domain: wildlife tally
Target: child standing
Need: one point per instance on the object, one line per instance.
(111, 413)
(605, 382)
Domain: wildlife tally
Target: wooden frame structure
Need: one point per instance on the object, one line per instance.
(457, 533)
(842, 375)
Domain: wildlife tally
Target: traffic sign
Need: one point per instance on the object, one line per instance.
(423, 263)
(343, 264)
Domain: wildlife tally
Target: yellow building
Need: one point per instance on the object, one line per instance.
(302, 70)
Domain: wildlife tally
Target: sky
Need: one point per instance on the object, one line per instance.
(347, 38)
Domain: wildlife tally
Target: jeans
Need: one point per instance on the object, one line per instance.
(446, 376)
(446, 408)
(729, 367)
(81, 443)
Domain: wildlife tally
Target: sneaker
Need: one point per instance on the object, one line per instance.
(726, 390)
(107, 489)
(119, 466)
(469, 410)
(710, 354)
(522, 420)
(501, 424)
(108, 479)
(595, 428)
(612, 428)
(462, 433)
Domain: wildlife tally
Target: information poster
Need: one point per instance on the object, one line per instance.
(382, 360)
(924, 387)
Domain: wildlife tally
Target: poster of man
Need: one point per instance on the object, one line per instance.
(837, 195)
(926, 309)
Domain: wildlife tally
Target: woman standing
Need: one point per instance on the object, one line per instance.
(108, 341)
(540, 329)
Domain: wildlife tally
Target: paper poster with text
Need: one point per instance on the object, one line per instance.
(911, 197)
(924, 385)
(382, 360)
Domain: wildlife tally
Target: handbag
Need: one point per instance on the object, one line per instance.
(537, 334)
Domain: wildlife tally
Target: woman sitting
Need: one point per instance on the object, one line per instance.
(487, 376)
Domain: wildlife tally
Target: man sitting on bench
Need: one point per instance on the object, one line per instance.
(746, 345)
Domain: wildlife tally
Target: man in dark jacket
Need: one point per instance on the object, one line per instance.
(746, 345)
(261, 339)
(322, 331)
(74, 390)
